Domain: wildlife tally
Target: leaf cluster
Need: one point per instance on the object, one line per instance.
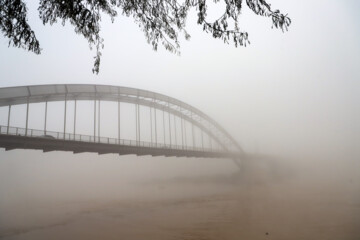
(161, 20)
(14, 26)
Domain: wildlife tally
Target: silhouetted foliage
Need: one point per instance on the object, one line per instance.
(161, 20)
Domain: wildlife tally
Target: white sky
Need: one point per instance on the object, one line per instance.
(284, 93)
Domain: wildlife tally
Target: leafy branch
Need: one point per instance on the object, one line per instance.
(161, 20)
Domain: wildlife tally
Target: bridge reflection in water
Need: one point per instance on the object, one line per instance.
(168, 118)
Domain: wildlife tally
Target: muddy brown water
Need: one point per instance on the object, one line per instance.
(257, 205)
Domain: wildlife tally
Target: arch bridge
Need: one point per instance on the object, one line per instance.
(164, 126)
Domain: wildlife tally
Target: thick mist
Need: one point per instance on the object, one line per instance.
(290, 99)
(87, 196)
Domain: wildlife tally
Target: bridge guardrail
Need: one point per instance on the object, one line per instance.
(6, 130)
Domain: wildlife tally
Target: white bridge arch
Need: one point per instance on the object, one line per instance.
(11, 138)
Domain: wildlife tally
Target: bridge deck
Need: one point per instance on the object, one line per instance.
(16, 138)
(10, 142)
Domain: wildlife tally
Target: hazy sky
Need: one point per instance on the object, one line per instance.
(285, 92)
(294, 94)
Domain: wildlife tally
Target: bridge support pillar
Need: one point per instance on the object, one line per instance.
(137, 116)
(169, 125)
(202, 138)
(65, 116)
(139, 123)
(45, 120)
(151, 125)
(175, 130)
(155, 127)
(99, 122)
(74, 118)
(27, 117)
(119, 120)
(136, 124)
(192, 131)
(95, 120)
(185, 136)
(164, 125)
(8, 122)
(182, 132)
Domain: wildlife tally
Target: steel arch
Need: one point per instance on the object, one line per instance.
(67, 92)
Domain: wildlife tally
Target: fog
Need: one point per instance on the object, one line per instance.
(88, 196)
(290, 99)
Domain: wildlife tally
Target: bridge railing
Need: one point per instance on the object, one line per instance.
(51, 135)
